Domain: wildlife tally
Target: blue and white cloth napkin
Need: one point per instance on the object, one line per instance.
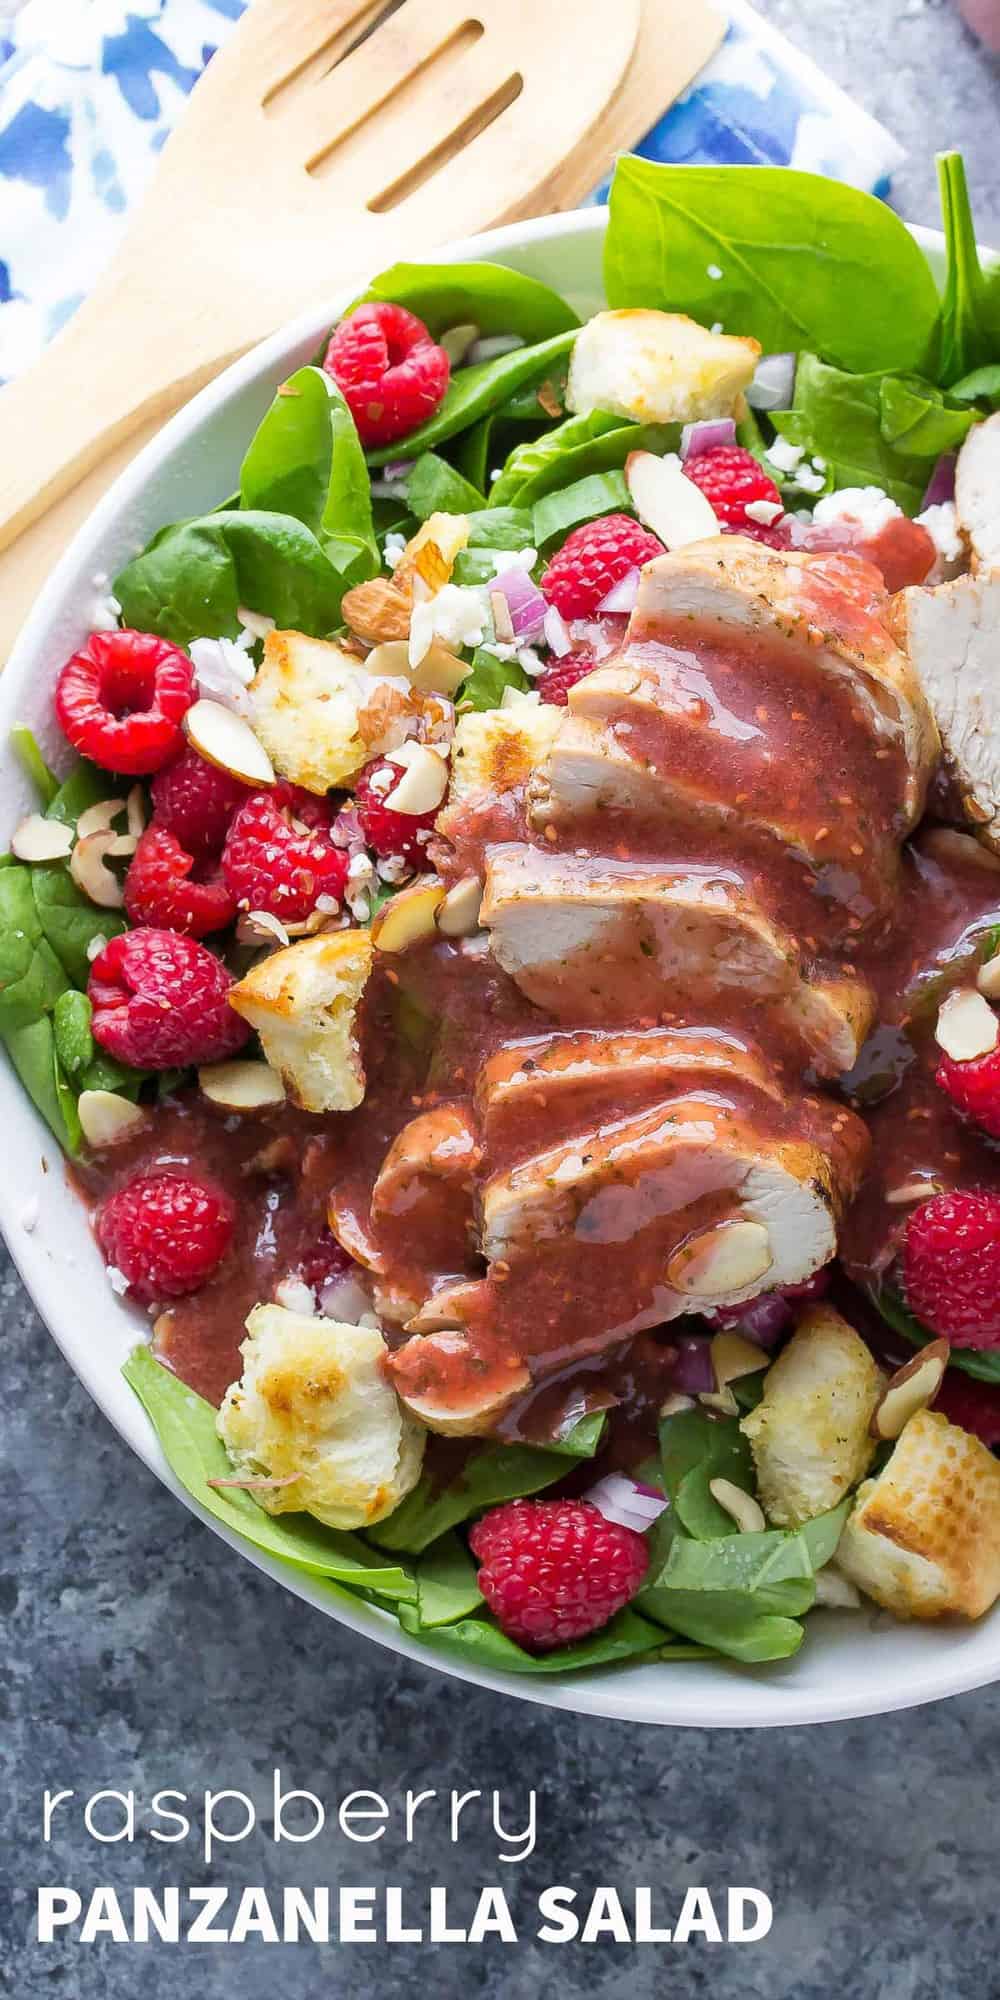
(90, 90)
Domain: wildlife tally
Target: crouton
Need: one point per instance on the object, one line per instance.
(658, 368)
(303, 1003)
(810, 1432)
(496, 749)
(314, 1401)
(321, 715)
(924, 1537)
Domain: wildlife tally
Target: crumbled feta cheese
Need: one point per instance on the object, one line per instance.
(253, 625)
(392, 868)
(328, 906)
(222, 672)
(530, 662)
(116, 1279)
(764, 511)
(810, 481)
(504, 559)
(819, 463)
(942, 526)
(457, 615)
(713, 271)
(867, 505)
(716, 326)
(360, 868)
(787, 457)
(393, 547)
(513, 697)
(296, 1296)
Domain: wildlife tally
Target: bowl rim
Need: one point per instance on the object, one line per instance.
(730, 1696)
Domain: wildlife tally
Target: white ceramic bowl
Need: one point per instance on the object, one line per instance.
(850, 1664)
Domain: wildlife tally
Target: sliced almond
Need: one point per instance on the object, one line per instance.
(88, 867)
(720, 1260)
(915, 1190)
(722, 1401)
(241, 1086)
(911, 1389)
(458, 914)
(135, 807)
(98, 818)
(440, 670)
(423, 783)
(667, 501)
(988, 978)
(733, 1356)
(409, 918)
(41, 839)
(122, 845)
(673, 1405)
(107, 1118)
(378, 610)
(503, 624)
(967, 1026)
(836, 1592)
(259, 926)
(741, 1507)
(228, 742)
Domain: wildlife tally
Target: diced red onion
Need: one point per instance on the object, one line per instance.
(344, 1299)
(942, 482)
(692, 1370)
(398, 468)
(812, 1288)
(556, 630)
(762, 1320)
(623, 1500)
(773, 385)
(622, 595)
(708, 434)
(525, 603)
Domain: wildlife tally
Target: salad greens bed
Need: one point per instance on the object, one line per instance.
(888, 376)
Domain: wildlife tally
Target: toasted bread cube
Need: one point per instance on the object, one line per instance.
(314, 1400)
(303, 1003)
(924, 1538)
(496, 749)
(320, 715)
(809, 1433)
(658, 368)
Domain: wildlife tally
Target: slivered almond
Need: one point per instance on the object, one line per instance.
(967, 1026)
(741, 1507)
(915, 1190)
(423, 783)
(988, 978)
(720, 1260)
(107, 1118)
(458, 914)
(911, 1389)
(228, 742)
(733, 1356)
(41, 839)
(241, 1086)
(722, 1401)
(98, 818)
(377, 611)
(88, 867)
(409, 918)
(673, 1405)
(122, 845)
(503, 624)
(667, 501)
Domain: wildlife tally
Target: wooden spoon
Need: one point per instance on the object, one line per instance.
(327, 137)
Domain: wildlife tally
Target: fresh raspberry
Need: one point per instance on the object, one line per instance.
(161, 1001)
(974, 1406)
(730, 479)
(385, 831)
(553, 1570)
(162, 891)
(561, 675)
(279, 856)
(120, 700)
(951, 1266)
(974, 1088)
(777, 536)
(195, 800)
(390, 371)
(166, 1233)
(593, 559)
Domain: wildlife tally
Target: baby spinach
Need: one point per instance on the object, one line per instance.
(785, 256)
(69, 921)
(473, 392)
(185, 1426)
(557, 513)
(491, 1473)
(915, 418)
(567, 455)
(981, 386)
(31, 976)
(190, 580)
(85, 786)
(32, 1050)
(33, 763)
(970, 308)
(537, 453)
(487, 678)
(838, 416)
(980, 1362)
(74, 1042)
(306, 461)
(741, 1594)
(487, 296)
(500, 528)
(446, 1583)
(695, 1449)
(480, 1643)
(434, 487)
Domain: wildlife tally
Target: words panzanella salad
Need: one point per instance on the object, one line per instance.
(515, 968)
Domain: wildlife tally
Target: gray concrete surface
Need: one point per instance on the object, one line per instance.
(137, 1653)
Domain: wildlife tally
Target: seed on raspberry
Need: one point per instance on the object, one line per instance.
(121, 698)
(166, 1233)
(974, 1088)
(390, 833)
(161, 1001)
(279, 855)
(732, 480)
(553, 1570)
(561, 675)
(951, 1266)
(392, 374)
(162, 891)
(196, 801)
(593, 559)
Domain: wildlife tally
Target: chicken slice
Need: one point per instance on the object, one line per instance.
(457, 1385)
(422, 1201)
(977, 492)
(613, 940)
(810, 1432)
(952, 635)
(924, 1538)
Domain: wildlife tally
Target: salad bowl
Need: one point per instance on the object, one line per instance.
(852, 1666)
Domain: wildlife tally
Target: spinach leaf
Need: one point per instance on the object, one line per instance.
(695, 1449)
(785, 256)
(532, 457)
(981, 386)
(488, 296)
(557, 513)
(471, 452)
(487, 677)
(490, 1474)
(85, 786)
(190, 580)
(434, 487)
(32, 1051)
(446, 1583)
(728, 1625)
(104, 1073)
(839, 416)
(306, 461)
(185, 1426)
(915, 418)
(473, 392)
(500, 528)
(741, 1594)
(541, 471)
(980, 1362)
(970, 308)
(31, 977)
(482, 1644)
(69, 921)
(33, 763)
(74, 1042)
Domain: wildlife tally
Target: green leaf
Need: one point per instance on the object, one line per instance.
(104, 1073)
(740, 1594)
(981, 386)
(71, 1017)
(795, 251)
(839, 417)
(31, 977)
(471, 451)
(70, 922)
(695, 1449)
(487, 679)
(484, 295)
(970, 319)
(482, 1644)
(446, 1583)
(601, 493)
(32, 1051)
(914, 417)
(31, 760)
(473, 392)
(536, 454)
(491, 1473)
(500, 528)
(85, 786)
(434, 487)
(982, 1363)
(306, 461)
(190, 580)
(185, 1426)
(556, 471)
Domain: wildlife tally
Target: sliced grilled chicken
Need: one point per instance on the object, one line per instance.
(829, 609)
(438, 1147)
(456, 1383)
(977, 492)
(952, 635)
(614, 940)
